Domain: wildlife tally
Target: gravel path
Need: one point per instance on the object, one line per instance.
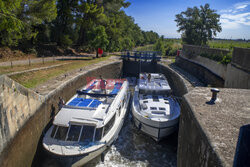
(40, 60)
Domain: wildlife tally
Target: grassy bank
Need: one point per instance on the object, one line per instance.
(32, 79)
(17, 68)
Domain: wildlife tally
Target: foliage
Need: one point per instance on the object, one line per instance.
(20, 19)
(80, 23)
(198, 25)
(11, 26)
(159, 46)
(222, 58)
(228, 44)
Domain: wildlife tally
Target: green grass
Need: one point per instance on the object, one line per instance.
(32, 79)
(16, 68)
(228, 44)
(145, 48)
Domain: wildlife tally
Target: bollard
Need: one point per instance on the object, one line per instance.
(214, 93)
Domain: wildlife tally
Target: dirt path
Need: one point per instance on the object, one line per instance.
(53, 83)
(41, 60)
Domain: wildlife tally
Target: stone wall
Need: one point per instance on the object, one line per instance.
(21, 150)
(234, 75)
(193, 50)
(204, 74)
(194, 148)
(237, 78)
(241, 58)
(17, 105)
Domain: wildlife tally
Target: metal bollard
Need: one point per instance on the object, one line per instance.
(214, 93)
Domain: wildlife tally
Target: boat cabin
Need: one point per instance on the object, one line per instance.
(89, 115)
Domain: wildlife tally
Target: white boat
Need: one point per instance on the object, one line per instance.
(155, 111)
(89, 122)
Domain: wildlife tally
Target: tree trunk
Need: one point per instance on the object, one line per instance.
(97, 53)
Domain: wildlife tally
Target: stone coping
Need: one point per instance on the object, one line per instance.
(221, 121)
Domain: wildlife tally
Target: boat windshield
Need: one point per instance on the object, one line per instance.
(74, 133)
(61, 133)
(87, 134)
(81, 133)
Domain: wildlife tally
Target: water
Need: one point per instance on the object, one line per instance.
(132, 148)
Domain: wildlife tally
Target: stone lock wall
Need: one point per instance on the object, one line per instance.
(233, 75)
(204, 74)
(238, 72)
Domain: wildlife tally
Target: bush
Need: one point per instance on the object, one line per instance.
(221, 58)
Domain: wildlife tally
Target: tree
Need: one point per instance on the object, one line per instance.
(98, 38)
(159, 45)
(62, 27)
(20, 19)
(198, 25)
(11, 26)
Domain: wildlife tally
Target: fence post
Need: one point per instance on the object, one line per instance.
(11, 64)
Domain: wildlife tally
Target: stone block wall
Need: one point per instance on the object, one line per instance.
(241, 58)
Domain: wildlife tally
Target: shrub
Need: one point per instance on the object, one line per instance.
(221, 58)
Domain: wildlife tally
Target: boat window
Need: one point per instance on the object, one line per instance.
(145, 101)
(155, 98)
(162, 108)
(109, 125)
(74, 133)
(87, 133)
(153, 108)
(53, 131)
(98, 134)
(61, 133)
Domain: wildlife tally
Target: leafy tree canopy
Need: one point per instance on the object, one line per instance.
(198, 25)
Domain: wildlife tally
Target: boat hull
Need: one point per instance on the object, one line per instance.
(156, 130)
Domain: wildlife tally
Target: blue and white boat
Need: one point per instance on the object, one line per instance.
(155, 111)
(89, 122)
